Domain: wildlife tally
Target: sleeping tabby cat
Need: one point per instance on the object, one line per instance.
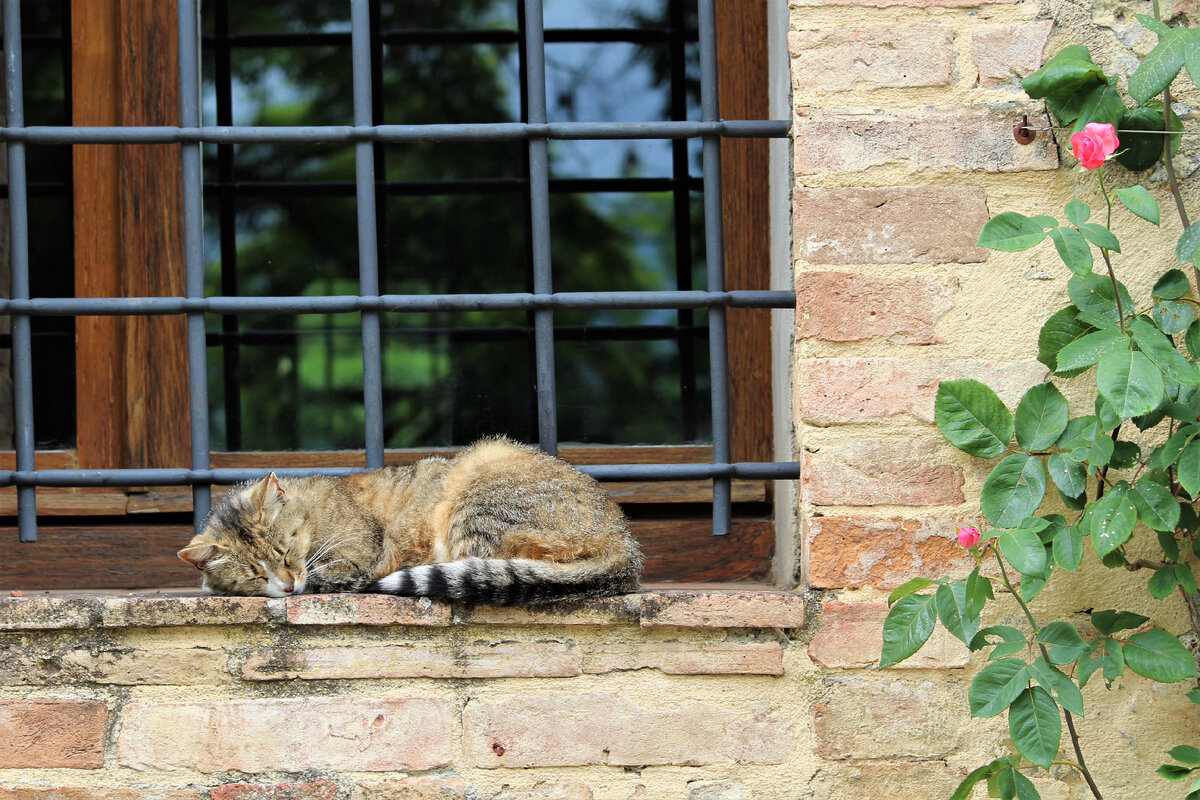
(500, 523)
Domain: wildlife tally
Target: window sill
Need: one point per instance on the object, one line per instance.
(661, 605)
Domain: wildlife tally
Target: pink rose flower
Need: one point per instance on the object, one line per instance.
(1096, 142)
(969, 536)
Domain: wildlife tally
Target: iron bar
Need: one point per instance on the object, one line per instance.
(18, 225)
(494, 36)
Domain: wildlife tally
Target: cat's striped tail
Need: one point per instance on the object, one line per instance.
(512, 581)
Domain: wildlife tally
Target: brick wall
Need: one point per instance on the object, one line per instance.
(903, 115)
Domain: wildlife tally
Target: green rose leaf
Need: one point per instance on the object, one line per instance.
(984, 773)
(1173, 772)
(1010, 232)
(1062, 641)
(1141, 151)
(1100, 236)
(1159, 656)
(1185, 753)
(1157, 508)
(1035, 726)
(951, 603)
(1068, 548)
(1172, 317)
(1191, 339)
(909, 587)
(979, 591)
(1112, 520)
(1110, 621)
(1024, 550)
(1163, 582)
(908, 625)
(1012, 641)
(1069, 476)
(1059, 685)
(1060, 330)
(972, 418)
(1103, 654)
(1093, 296)
(1130, 382)
(1138, 200)
(1042, 416)
(1159, 67)
(1187, 578)
(1087, 349)
(1189, 468)
(996, 686)
(1185, 248)
(1013, 490)
(1099, 104)
(1172, 285)
(1159, 349)
(1070, 70)
(1073, 249)
(1077, 211)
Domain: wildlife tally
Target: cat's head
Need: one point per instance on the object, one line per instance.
(254, 543)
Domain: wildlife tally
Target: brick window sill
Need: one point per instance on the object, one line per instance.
(661, 605)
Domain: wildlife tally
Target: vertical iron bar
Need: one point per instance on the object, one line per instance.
(193, 247)
(231, 349)
(18, 223)
(714, 247)
(368, 249)
(379, 152)
(539, 200)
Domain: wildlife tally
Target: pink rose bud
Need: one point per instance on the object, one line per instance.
(968, 537)
(1096, 142)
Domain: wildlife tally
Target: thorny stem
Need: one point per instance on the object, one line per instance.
(1103, 472)
(1082, 765)
(1104, 253)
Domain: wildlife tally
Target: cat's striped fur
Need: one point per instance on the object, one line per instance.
(501, 523)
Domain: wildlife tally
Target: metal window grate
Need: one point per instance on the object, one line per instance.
(543, 301)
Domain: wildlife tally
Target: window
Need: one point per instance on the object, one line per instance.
(530, 283)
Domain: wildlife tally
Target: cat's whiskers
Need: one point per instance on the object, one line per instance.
(323, 549)
(324, 566)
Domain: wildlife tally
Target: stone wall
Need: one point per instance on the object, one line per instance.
(903, 113)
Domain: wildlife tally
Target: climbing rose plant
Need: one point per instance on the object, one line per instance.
(1115, 492)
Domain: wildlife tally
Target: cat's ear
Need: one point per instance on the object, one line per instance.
(199, 551)
(268, 495)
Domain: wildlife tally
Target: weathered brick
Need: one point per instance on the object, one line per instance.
(722, 609)
(120, 612)
(549, 790)
(430, 787)
(716, 790)
(184, 666)
(874, 473)
(890, 719)
(317, 790)
(46, 613)
(366, 609)
(504, 660)
(889, 225)
(1008, 50)
(102, 793)
(622, 609)
(289, 735)
(832, 391)
(849, 552)
(52, 733)
(909, 3)
(964, 138)
(581, 728)
(678, 658)
(885, 781)
(851, 635)
(872, 57)
(850, 307)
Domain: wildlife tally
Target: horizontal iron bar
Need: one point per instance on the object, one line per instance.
(783, 470)
(339, 304)
(436, 36)
(273, 189)
(333, 134)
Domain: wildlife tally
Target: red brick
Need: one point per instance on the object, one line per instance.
(46, 734)
(120, 612)
(1006, 51)
(831, 391)
(288, 735)
(584, 728)
(618, 610)
(504, 660)
(890, 719)
(850, 552)
(366, 609)
(677, 658)
(102, 793)
(430, 787)
(889, 225)
(723, 609)
(851, 636)
(317, 790)
(972, 138)
(872, 473)
(46, 613)
(873, 57)
(850, 307)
